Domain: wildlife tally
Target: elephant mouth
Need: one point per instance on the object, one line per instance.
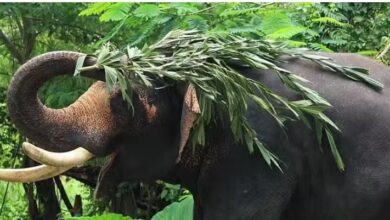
(53, 164)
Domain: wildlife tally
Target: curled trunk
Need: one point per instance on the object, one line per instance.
(88, 122)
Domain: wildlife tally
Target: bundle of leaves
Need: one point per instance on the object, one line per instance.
(205, 62)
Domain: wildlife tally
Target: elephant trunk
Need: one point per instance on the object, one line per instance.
(88, 122)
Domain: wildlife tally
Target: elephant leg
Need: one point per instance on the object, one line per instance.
(233, 189)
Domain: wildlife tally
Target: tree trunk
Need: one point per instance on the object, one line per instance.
(46, 196)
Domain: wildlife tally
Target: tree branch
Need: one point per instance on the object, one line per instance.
(11, 47)
(384, 51)
(64, 196)
(29, 37)
(78, 206)
(33, 212)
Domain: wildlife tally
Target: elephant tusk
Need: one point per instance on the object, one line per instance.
(67, 159)
(31, 174)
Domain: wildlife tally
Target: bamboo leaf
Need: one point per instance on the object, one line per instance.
(111, 77)
(79, 64)
(328, 121)
(319, 131)
(334, 150)
(133, 52)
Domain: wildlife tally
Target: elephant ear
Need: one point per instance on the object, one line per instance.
(190, 112)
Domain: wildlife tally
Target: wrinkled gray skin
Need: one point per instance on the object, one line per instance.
(227, 182)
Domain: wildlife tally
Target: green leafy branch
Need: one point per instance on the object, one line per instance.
(206, 62)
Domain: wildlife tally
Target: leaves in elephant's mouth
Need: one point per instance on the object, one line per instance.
(207, 62)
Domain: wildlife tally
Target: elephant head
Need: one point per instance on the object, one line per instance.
(148, 139)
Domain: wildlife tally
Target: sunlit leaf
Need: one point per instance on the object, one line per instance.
(79, 64)
(182, 210)
(147, 10)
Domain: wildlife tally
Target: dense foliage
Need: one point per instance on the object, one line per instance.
(30, 29)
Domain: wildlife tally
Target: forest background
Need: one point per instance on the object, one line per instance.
(27, 30)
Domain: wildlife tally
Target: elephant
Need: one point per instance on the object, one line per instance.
(150, 142)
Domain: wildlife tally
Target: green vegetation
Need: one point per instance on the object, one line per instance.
(30, 29)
